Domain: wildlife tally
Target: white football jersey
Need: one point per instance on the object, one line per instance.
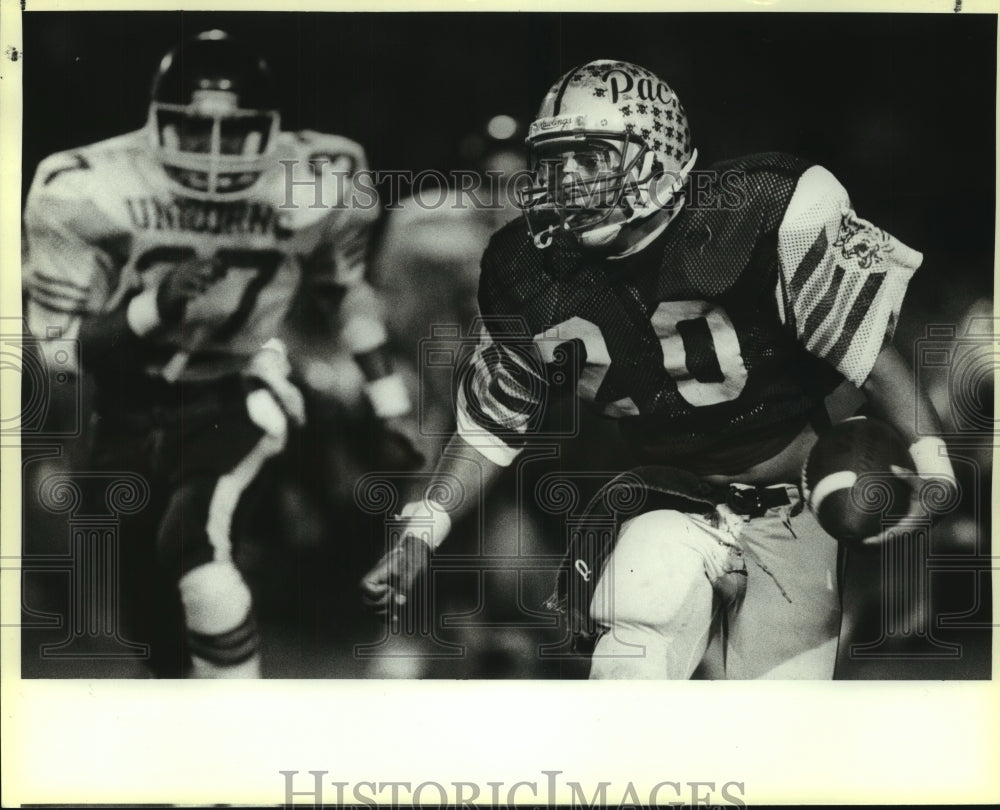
(104, 221)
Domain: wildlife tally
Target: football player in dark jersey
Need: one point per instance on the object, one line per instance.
(174, 255)
(710, 314)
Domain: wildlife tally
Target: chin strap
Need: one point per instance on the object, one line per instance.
(653, 203)
(605, 234)
(649, 237)
(543, 239)
(600, 236)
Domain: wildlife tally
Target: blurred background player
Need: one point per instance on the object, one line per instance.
(426, 266)
(426, 270)
(174, 254)
(710, 315)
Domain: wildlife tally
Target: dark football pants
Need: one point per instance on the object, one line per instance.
(741, 597)
(181, 589)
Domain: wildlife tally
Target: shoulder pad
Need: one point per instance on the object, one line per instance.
(509, 255)
(763, 182)
(80, 172)
(779, 163)
(311, 145)
(510, 252)
(818, 197)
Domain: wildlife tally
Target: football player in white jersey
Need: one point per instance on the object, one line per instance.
(173, 255)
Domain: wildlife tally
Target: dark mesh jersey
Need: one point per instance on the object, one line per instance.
(714, 343)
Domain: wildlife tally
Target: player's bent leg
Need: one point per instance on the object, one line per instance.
(196, 545)
(218, 612)
(219, 632)
(792, 584)
(656, 595)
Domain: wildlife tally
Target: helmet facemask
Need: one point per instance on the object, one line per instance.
(580, 185)
(213, 120)
(212, 147)
(632, 132)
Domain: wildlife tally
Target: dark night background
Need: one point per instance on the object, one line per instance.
(901, 108)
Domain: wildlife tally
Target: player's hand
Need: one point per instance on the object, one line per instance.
(917, 514)
(388, 586)
(185, 282)
(270, 369)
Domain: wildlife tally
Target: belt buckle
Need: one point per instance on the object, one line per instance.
(746, 501)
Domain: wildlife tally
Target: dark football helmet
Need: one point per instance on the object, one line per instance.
(213, 119)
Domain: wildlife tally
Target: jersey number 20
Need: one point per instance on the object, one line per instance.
(701, 351)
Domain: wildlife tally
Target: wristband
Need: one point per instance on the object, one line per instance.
(275, 344)
(434, 522)
(388, 396)
(362, 334)
(930, 456)
(266, 413)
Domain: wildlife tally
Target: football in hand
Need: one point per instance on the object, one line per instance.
(848, 482)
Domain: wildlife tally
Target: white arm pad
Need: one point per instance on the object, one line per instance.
(432, 523)
(930, 455)
(388, 396)
(142, 315)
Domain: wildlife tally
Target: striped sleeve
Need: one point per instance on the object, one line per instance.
(500, 398)
(843, 278)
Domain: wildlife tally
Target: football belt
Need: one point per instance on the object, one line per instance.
(755, 501)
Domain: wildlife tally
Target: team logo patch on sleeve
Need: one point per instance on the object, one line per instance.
(862, 241)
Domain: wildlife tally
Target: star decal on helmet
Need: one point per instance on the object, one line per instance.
(622, 105)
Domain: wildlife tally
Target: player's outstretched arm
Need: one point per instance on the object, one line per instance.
(462, 469)
(272, 398)
(893, 392)
(112, 338)
(346, 298)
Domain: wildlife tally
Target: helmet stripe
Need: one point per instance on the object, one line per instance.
(562, 89)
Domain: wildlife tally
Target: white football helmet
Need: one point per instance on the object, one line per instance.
(610, 147)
